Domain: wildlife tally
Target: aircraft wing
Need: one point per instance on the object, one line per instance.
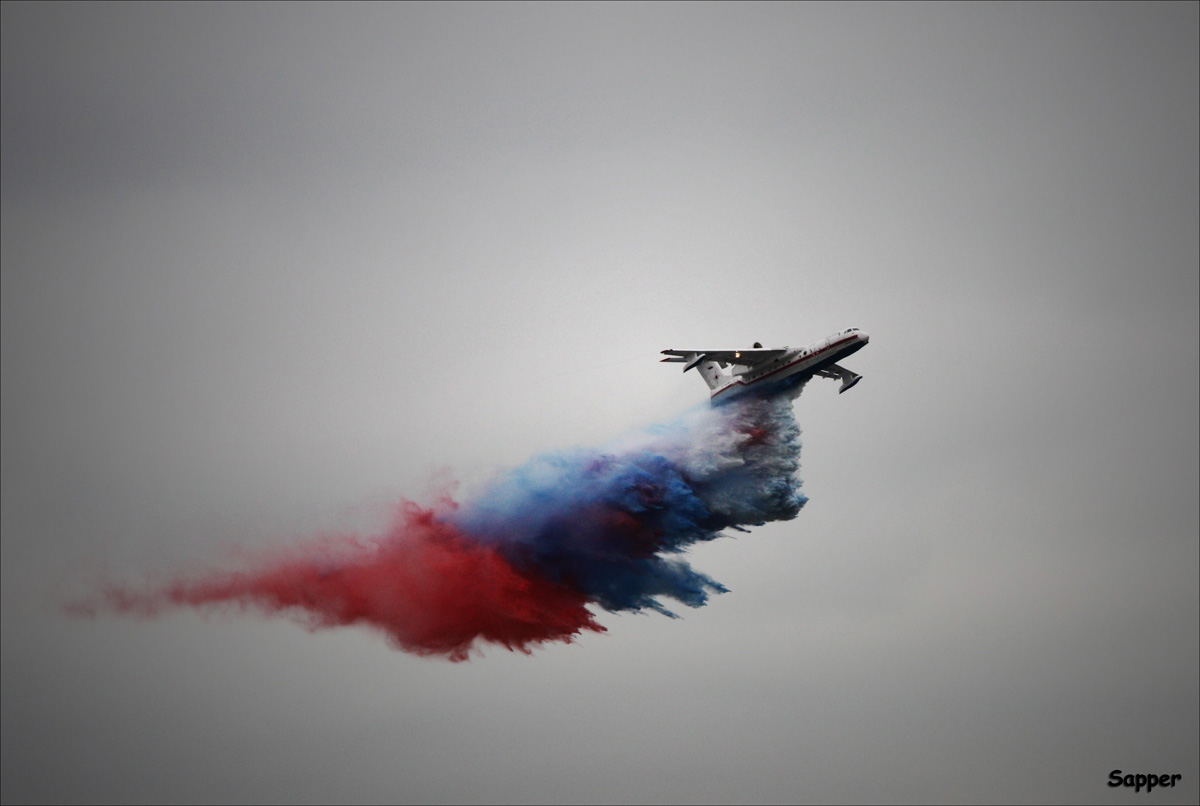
(693, 357)
(847, 377)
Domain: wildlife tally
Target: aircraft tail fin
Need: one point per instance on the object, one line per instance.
(713, 367)
(712, 372)
(708, 368)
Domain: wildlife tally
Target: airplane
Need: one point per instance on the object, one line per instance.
(733, 373)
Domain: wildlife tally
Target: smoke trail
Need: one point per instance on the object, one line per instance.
(519, 563)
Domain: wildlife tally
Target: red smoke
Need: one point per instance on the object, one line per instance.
(431, 590)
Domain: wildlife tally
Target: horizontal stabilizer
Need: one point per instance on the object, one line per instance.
(749, 357)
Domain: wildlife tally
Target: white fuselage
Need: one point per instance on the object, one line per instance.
(794, 367)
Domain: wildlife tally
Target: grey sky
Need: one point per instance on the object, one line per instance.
(268, 267)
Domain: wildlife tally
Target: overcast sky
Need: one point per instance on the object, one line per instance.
(267, 268)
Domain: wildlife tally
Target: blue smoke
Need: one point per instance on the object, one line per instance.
(611, 523)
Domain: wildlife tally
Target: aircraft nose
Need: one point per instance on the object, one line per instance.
(864, 336)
